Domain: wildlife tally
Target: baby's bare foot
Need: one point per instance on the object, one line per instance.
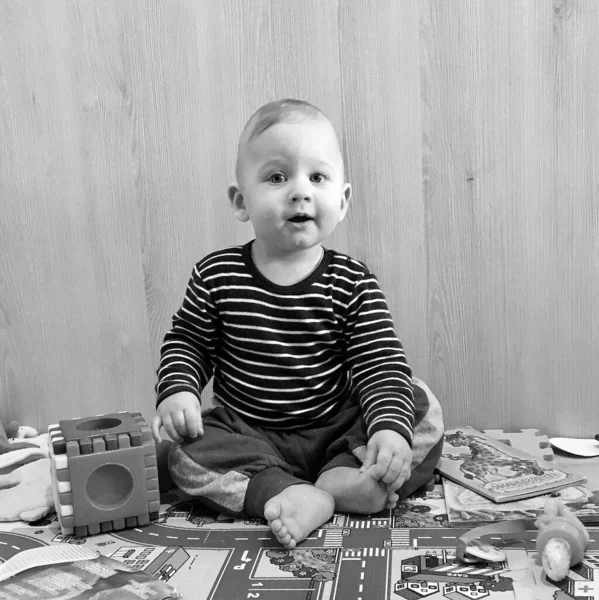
(297, 511)
(353, 491)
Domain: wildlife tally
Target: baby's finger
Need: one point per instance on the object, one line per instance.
(369, 459)
(383, 460)
(180, 424)
(200, 422)
(156, 425)
(170, 428)
(395, 467)
(392, 500)
(193, 422)
(403, 476)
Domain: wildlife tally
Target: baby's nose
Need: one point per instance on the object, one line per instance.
(301, 191)
(299, 197)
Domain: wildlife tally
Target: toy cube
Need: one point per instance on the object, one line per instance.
(104, 473)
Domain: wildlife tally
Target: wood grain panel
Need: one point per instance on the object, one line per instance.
(571, 225)
(381, 98)
(73, 307)
(470, 131)
(223, 61)
(513, 321)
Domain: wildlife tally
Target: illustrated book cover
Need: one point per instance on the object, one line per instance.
(101, 578)
(497, 471)
(466, 508)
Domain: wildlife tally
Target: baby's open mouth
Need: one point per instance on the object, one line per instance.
(300, 219)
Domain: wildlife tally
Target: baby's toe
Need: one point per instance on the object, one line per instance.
(284, 537)
(276, 525)
(283, 533)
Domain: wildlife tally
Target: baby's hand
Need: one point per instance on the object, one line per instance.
(180, 416)
(389, 458)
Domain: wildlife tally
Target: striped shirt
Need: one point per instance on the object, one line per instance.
(286, 357)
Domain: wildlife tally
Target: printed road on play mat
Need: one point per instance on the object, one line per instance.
(407, 553)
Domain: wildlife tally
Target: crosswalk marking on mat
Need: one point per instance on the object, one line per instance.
(333, 538)
(363, 552)
(400, 537)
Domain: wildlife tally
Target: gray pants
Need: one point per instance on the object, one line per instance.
(236, 467)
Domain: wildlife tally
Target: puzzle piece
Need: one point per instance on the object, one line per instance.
(528, 440)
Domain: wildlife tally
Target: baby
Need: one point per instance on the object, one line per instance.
(316, 409)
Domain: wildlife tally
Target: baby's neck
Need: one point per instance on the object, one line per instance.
(287, 269)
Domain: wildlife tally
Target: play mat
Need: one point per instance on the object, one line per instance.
(407, 553)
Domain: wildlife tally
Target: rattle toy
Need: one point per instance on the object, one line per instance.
(472, 547)
(562, 539)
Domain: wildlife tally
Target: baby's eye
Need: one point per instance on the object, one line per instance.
(276, 178)
(318, 178)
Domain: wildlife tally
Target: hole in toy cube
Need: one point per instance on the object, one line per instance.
(109, 486)
(98, 424)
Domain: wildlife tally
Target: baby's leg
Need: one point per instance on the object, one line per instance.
(297, 511)
(232, 468)
(354, 491)
(236, 470)
(359, 492)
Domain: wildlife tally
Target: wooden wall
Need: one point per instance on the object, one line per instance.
(471, 134)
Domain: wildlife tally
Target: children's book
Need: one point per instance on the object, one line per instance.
(467, 508)
(99, 578)
(497, 471)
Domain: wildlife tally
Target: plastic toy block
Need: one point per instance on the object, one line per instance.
(123, 440)
(114, 423)
(73, 448)
(111, 443)
(146, 433)
(66, 499)
(529, 440)
(98, 445)
(56, 439)
(63, 475)
(67, 523)
(151, 472)
(104, 473)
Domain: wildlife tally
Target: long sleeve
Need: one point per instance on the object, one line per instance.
(380, 372)
(186, 354)
(286, 357)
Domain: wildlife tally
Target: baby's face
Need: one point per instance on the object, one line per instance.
(293, 187)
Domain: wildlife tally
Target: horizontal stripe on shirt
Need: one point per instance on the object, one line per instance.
(288, 356)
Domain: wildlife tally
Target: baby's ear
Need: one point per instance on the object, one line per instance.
(345, 198)
(347, 192)
(237, 202)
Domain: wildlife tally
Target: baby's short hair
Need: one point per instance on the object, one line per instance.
(279, 111)
(287, 110)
